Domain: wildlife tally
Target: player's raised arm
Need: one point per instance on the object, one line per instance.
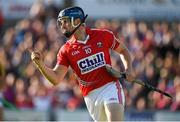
(53, 75)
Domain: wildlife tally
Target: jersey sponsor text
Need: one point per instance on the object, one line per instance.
(91, 63)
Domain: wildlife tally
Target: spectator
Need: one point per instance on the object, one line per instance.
(1, 21)
(2, 80)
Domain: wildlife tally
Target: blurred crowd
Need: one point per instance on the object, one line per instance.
(154, 46)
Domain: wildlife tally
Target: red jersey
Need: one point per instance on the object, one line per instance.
(88, 58)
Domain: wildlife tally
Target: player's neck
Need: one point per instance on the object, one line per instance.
(81, 34)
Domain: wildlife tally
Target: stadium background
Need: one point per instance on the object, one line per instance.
(150, 29)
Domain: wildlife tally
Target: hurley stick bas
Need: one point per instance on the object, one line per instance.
(118, 74)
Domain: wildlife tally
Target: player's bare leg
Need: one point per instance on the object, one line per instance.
(114, 112)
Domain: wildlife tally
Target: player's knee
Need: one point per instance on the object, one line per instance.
(114, 112)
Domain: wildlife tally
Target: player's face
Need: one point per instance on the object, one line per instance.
(65, 25)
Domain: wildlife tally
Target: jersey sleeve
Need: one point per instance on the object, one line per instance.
(110, 40)
(62, 57)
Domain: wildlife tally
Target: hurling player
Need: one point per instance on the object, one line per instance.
(87, 53)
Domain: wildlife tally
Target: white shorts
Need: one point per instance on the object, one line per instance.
(96, 99)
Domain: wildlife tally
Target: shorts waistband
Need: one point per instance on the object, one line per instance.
(87, 83)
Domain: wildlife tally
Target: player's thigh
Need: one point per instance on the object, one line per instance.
(114, 111)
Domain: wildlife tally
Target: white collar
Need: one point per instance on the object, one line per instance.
(85, 41)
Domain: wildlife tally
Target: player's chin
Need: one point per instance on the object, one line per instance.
(65, 31)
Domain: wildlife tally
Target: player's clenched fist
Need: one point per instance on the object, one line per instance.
(35, 56)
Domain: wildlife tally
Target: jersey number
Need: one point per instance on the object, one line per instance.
(88, 50)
